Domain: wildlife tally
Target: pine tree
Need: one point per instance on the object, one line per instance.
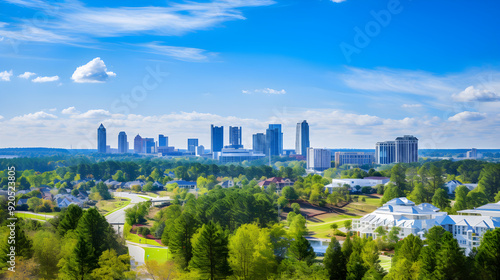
(301, 250)
(180, 239)
(335, 261)
(356, 268)
(488, 255)
(451, 261)
(210, 251)
(81, 262)
(70, 219)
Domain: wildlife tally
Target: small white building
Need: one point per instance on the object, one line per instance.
(454, 184)
(366, 182)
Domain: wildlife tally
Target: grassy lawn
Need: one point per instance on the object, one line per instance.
(32, 216)
(152, 194)
(385, 262)
(106, 207)
(323, 230)
(144, 197)
(160, 255)
(135, 238)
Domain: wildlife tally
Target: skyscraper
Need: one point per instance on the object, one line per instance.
(385, 152)
(122, 142)
(162, 140)
(280, 137)
(217, 138)
(259, 143)
(402, 150)
(101, 139)
(148, 145)
(138, 146)
(406, 149)
(302, 139)
(235, 137)
(272, 141)
(318, 159)
(192, 144)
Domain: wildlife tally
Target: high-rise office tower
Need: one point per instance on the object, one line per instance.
(101, 139)
(149, 145)
(302, 139)
(259, 143)
(122, 142)
(162, 140)
(280, 137)
(138, 146)
(217, 138)
(406, 149)
(318, 159)
(235, 137)
(385, 152)
(272, 141)
(192, 144)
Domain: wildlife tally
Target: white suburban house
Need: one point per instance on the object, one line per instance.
(366, 182)
(467, 228)
(453, 184)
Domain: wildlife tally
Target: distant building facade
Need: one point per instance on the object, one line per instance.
(355, 158)
(192, 144)
(149, 145)
(280, 137)
(122, 143)
(406, 149)
(138, 146)
(259, 143)
(385, 152)
(235, 137)
(217, 138)
(318, 159)
(229, 155)
(272, 142)
(302, 138)
(101, 139)
(162, 140)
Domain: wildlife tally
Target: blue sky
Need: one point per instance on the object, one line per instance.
(358, 71)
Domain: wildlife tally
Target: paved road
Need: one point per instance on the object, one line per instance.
(136, 252)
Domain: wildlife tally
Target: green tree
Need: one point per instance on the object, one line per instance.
(440, 199)
(391, 191)
(451, 260)
(460, 198)
(113, 267)
(301, 249)
(210, 251)
(289, 193)
(476, 198)
(180, 239)
(398, 175)
(418, 195)
(488, 255)
(490, 180)
(119, 176)
(81, 262)
(46, 248)
(334, 261)
(356, 268)
(242, 250)
(348, 225)
(34, 203)
(296, 208)
(70, 218)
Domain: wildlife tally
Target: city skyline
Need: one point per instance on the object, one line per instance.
(253, 65)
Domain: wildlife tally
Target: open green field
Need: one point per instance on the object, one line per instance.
(323, 230)
(106, 207)
(144, 197)
(160, 255)
(385, 262)
(32, 216)
(138, 239)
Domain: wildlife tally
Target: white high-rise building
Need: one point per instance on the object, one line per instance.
(318, 159)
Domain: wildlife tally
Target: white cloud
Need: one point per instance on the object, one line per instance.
(92, 114)
(93, 72)
(179, 53)
(471, 94)
(467, 116)
(41, 115)
(1, 117)
(266, 91)
(5, 75)
(411, 105)
(45, 79)
(338, 1)
(70, 111)
(26, 75)
(74, 21)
